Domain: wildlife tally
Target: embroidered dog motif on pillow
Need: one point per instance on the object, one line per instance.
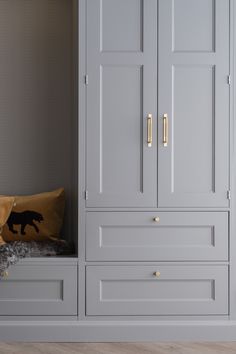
(24, 218)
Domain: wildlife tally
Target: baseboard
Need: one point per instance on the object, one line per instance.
(111, 331)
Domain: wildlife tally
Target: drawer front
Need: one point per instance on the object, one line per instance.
(179, 290)
(175, 236)
(39, 290)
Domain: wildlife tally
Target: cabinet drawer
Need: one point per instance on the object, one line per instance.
(135, 236)
(39, 290)
(179, 290)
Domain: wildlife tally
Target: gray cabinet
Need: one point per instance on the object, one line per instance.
(155, 216)
(157, 236)
(157, 157)
(121, 92)
(193, 57)
(39, 290)
(189, 134)
(157, 290)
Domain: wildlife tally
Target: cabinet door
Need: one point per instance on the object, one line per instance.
(148, 236)
(194, 94)
(121, 169)
(39, 290)
(157, 290)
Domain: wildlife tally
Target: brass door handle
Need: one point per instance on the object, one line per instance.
(165, 130)
(149, 130)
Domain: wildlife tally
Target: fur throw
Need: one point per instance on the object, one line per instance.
(12, 252)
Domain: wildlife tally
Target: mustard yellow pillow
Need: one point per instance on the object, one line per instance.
(6, 205)
(35, 217)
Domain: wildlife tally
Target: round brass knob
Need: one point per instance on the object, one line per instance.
(156, 219)
(157, 274)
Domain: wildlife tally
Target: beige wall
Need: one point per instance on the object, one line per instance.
(36, 97)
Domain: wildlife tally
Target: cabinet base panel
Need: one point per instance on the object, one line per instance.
(111, 331)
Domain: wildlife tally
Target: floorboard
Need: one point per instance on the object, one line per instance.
(118, 348)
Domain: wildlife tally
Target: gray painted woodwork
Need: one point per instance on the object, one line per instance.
(136, 236)
(39, 290)
(118, 331)
(134, 290)
(193, 58)
(121, 92)
(210, 319)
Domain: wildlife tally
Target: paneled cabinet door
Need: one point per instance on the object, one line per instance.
(121, 167)
(193, 104)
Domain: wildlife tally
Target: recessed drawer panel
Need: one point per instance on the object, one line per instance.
(172, 290)
(156, 236)
(39, 290)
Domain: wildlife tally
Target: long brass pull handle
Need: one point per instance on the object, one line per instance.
(165, 130)
(149, 130)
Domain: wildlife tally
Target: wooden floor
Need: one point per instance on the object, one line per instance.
(118, 348)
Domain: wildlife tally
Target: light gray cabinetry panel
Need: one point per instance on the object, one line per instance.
(193, 25)
(39, 290)
(193, 57)
(136, 236)
(135, 290)
(121, 169)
